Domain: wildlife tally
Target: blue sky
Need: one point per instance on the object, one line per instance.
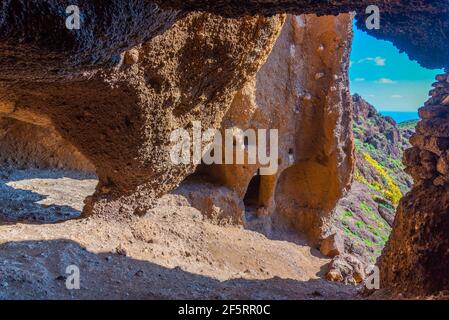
(386, 78)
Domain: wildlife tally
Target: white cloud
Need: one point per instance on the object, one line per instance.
(365, 60)
(396, 96)
(378, 61)
(385, 81)
(359, 79)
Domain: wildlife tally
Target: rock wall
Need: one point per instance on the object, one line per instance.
(25, 145)
(115, 89)
(111, 118)
(302, 90)
(309, 188)
(416, 258)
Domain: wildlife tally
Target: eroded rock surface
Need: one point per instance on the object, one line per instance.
(302, 90)
(402, 22)
(114, 90)
(120, 117)
(26, 145)
(36, 44)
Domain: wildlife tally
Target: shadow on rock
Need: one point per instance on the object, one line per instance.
(42, 196)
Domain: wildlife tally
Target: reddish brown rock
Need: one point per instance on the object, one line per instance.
(131, 56)
(313, 117)
(441, 181)
(434, 127)
(416, 258)
(433, 111)
(443, 166)
(117, 108)
(26, 145)
(333, 245)
(334, 275)
(432, 144)
(428, 47)
(411, 157)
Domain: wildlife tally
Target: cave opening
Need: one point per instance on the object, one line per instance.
(387, 88)
(252, 195)
(44, 178)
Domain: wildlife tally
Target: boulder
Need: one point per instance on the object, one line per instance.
(415, 260)
(333, 245)
(346, 268)
(218, 204)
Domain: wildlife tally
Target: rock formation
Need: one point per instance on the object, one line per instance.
(365, 214)
(36, 44)
(302, 90)
(416, 259)
(362, 220)
(113, 91)
(117, 101)
(401, 22)
(26, 145)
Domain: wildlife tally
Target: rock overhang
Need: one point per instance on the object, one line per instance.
(419, 28)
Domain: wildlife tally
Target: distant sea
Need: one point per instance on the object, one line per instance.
(401, 116)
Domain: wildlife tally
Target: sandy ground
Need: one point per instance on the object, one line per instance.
(171, 253)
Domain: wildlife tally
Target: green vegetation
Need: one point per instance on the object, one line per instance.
(411, 124)
(379, 176)
(396, 163)
(366, 208)
(360, 224)
(348, 214)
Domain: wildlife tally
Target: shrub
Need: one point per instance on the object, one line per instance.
(393, 192)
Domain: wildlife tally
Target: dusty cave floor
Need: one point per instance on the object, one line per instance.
(171, 253)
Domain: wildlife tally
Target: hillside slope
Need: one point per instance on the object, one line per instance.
(365, 215)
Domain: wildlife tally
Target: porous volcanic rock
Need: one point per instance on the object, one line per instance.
(333, 245)
(217, 204)
(26, 145)
(119, 114)
(346, 268)
(415, 261)
(313, 117)
(420, 28)
(115, 88)
(36, 44)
